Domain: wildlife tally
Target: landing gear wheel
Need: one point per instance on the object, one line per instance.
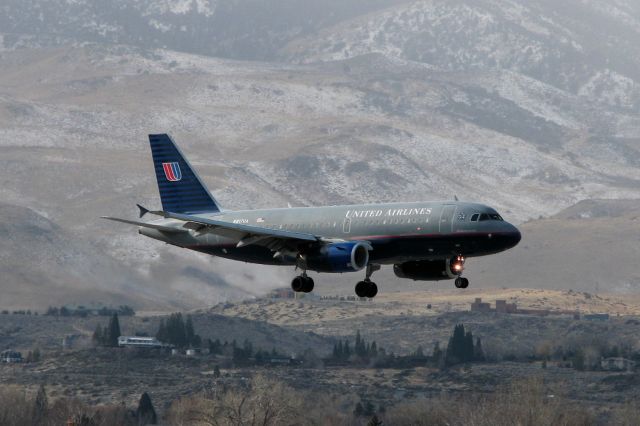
(373, 290)
(366, 288)
(461, 282)
(308, 285)
(297, 284)
(361, 289)
(302, 284)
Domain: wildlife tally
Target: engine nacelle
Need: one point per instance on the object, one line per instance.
(430, 270)
(338, 257)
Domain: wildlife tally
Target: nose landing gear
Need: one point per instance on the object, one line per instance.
(461, 282)
(457, 266)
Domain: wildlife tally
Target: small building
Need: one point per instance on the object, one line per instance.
(506, 308)
(11, 357)
(139, 342)
(617, 364)
(480, 306)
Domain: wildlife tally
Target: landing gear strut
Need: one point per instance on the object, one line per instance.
(302, 284)
(457, 266)
(368, 288)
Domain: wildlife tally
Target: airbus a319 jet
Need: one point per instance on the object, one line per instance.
(426, 241)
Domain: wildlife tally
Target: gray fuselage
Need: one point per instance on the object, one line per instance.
(398, 232)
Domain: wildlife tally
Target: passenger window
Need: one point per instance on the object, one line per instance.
(474, 218)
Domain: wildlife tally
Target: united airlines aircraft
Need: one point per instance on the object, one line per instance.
(427, 241)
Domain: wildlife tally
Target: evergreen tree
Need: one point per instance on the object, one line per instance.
(360, 348)
(189, 332)
(437, 354)
(374, 421)
(216, 372)
(145, 413)
(177, 333)
(359, 410)
(368, 408)
(114, 331)
(347, 350)
(373, 350)
(478, 352)
(456, 347)
(97, 335)
(467, 354)
(215, 347)
(40, 406)
(161, 335)
(335, 351)
(340, 350)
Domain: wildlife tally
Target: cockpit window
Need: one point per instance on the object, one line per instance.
(474, 218)
(489, 216)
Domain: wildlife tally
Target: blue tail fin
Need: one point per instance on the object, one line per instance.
(181, 190)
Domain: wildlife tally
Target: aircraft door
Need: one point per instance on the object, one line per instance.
(346, 226)
(446, 218)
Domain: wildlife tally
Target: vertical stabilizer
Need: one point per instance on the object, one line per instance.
(181, 190)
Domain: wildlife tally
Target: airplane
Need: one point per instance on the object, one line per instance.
(424, 241)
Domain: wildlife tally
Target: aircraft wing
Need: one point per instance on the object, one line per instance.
(248, 234)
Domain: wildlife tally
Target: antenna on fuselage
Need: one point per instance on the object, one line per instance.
(455, 197)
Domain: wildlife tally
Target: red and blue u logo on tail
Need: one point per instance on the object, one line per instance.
(172, 171)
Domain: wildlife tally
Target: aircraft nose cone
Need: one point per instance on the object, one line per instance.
(513, 236)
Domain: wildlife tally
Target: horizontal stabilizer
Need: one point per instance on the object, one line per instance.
(143, 210)
(146, 225)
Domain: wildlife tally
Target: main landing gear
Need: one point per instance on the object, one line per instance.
(368, 288)
(302, 284)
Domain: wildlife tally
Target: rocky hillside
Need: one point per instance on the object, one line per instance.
(528, 106)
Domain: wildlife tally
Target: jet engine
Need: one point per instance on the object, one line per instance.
(430, 270)
(338, 257)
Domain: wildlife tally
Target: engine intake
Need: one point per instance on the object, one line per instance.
(338, 257)
(430, 270)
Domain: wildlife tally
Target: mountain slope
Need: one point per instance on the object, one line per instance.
(585, 47)
(526, 106)
(245, 29)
